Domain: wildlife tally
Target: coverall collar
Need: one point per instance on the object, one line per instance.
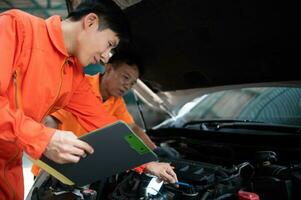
(96, 79)
(55, 33)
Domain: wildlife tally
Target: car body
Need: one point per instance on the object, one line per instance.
(247, 125)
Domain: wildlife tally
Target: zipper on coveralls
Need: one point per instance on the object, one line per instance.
(58, 93)
(15, 76)
(17, 104)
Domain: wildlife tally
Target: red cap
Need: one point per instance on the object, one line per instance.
(243, 195)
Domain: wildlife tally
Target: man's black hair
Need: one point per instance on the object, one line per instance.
(130, 58)
(110, 15)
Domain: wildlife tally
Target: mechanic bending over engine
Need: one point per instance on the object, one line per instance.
(41, 71)
(121, 73)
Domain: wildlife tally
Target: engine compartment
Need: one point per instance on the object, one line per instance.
(265, 163)
(209, 181)
(211, 166)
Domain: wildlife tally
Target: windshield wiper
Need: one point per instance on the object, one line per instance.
(214, 123)
(261, 126)
(244, 124)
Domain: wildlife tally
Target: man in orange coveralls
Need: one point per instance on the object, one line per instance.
(120, 75)
(40, 72)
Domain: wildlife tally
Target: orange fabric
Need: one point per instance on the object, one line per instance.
(114, 106)
(140, 169)
(37, 77)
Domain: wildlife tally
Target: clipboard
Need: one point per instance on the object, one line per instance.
(116, 149)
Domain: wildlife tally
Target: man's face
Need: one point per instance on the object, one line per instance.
(120, 80)
(93, 45)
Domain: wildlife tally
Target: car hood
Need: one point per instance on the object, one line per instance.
(208, 44)
(191, 44)
(204, 44)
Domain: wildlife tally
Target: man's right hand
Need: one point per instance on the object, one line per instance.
(65, 147)
(162, 170)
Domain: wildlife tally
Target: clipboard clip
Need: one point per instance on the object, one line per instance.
(136, 144)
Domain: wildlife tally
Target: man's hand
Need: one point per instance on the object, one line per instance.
(64, 147)
(163, 171)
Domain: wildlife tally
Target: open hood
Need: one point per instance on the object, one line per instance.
(190, 44)
(203, 44)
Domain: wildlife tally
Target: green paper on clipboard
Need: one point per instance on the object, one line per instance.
(116, 149)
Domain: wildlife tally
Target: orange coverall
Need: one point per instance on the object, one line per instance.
(114, 106)
(37, 77)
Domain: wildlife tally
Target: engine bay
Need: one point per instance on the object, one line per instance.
(207, 169)
(234, 163)
(208, 181)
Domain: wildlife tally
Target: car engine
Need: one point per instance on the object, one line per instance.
(199, 181)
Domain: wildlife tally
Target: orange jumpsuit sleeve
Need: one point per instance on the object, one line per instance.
(87, 108)
(15, 126)
(140, 169)
(68, 122)
(122, 113)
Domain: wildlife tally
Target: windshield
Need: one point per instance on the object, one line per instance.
(277, 105)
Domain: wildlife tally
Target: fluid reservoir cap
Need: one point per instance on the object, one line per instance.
(243, 195)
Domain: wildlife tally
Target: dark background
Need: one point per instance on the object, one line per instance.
(193, 43)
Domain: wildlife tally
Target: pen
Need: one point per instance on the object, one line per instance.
(184, 184)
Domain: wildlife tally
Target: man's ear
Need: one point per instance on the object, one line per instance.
(108, 68)
(91, 20)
